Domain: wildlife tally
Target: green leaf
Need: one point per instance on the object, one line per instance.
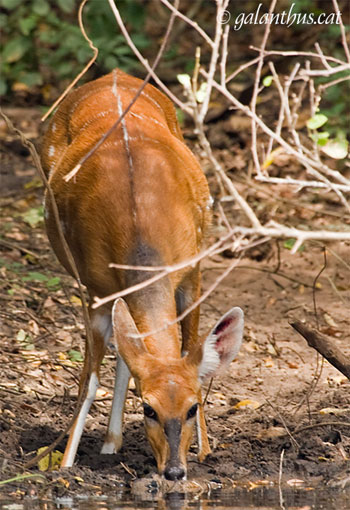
(10, 4)
(289, 243)
(64, 69)
(34, 276)
(31, 79)
(53, 282)
(75, 355)
(26, 25)
(14, 49)
(41, 7)
(180, 116)
(317, 121)
(34, 216)
(111, 62)
(35, 183)
(66, 5)
(267, 80)
(320, 138)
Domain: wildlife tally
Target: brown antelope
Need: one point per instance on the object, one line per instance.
(141, 199)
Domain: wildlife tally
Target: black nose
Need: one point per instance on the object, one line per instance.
(174, 472)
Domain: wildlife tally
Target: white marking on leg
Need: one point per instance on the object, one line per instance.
(113, 439)
(199, 432)
(80, 422)
(51, 151)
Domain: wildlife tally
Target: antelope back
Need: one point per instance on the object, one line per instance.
(143, 181)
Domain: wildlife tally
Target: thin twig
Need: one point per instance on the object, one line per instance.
(88, 65)
(194, 24)
(143, 61)
(280, 471)
(315, 282)
(342, 30)
(322, 424)
(256, 89)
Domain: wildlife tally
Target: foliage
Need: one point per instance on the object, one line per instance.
(34, 216)
(336, 147)
(42, 42)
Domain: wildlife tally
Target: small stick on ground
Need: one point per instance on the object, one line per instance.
(325, 347)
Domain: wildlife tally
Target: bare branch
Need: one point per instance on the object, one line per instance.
(342, 30)
(144, 62)
(256, 89)
(88, 65)
(193, 24)
(325, 347)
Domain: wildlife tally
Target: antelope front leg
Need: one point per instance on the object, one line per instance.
(91, 375)
(114, 437)
(203, 442)
(188, 293)
(77, 428)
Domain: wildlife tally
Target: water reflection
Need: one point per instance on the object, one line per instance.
(238, 499)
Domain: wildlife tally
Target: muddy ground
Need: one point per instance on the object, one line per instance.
(279, 409)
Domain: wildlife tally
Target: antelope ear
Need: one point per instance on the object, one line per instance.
(222, 344)
(126, 336)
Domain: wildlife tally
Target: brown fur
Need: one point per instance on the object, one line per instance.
(131, 199)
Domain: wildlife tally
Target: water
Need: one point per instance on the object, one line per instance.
(262, 498)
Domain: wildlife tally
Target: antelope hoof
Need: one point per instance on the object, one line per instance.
(111, 445)
(203, 453)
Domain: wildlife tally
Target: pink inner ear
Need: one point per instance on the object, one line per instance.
(225, 338)
(222, 344)
(222, 326)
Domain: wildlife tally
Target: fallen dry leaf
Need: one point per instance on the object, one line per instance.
(334, 410)
(249, 404)
(272, 433)
(50, 461)
(329, 320)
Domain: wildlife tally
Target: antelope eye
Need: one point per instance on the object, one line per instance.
(149, 412)
(192, 411)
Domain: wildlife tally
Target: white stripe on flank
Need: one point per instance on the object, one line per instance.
(93, 119)
(148, 119)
